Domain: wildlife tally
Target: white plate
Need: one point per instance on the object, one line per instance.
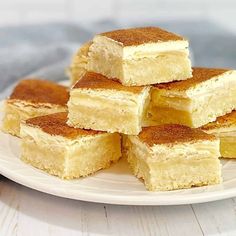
(115, 185)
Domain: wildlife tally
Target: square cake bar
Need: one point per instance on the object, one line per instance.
(224, 128)
(194, 102)
(48, 143)
(169, 157)
(99, 103)
(31, 98)
(140, 56)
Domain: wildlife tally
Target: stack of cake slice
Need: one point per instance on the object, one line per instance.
(113, 89)
(130, 80)
(137, 84)
(36, 111)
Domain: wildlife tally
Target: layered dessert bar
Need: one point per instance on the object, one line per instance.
(79, 63)
(31, 98)
(225, 129)
(140, 56)
(48, 143)
(194, 102)
(99, 103)
(169, 157)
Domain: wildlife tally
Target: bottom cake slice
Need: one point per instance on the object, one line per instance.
(169, 157)
(224, 128)
(48, 143)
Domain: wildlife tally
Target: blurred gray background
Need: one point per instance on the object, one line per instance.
(38, 37)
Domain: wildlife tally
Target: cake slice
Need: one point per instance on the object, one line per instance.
(48, 143)
(79, 63)
(140, 56)
(99, 103)
(225, 128)
(31, 98)
(169, 157)
(194, 102)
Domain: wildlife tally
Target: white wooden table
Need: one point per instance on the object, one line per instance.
(25, 212)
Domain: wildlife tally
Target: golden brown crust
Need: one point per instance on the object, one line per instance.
(225, 121)
(92, 80)
(172, 134)
(200, 74)
(40, 91)
(55, 124)
(137, 36)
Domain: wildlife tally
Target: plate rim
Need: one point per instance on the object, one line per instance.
(122, 200)
(154, 199)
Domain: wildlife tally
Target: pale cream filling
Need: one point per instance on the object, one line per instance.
(153, 49)
(222, 132)
(126, 98)
(161, 152)
(139, 51)
(160, 99)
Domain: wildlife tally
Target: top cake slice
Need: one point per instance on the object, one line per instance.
(210, 93)
(140, 56)
(31, 98)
